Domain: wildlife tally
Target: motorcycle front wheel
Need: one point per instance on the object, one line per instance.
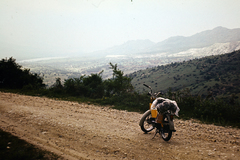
(166, 132)
(145, 122)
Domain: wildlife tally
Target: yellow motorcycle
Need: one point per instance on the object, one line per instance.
(159, 116)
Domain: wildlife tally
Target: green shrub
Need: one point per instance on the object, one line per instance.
(218, 111)
(12, 76)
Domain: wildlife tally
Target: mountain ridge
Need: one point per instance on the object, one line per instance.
(198, 40)
(174, 44)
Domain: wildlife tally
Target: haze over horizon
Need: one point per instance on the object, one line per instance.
(52, 28)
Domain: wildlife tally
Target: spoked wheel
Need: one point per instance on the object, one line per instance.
(145, 122)
(166, 132)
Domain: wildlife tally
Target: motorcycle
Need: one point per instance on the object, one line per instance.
(161, 119)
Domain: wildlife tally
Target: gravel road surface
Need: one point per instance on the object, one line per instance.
(82, 131)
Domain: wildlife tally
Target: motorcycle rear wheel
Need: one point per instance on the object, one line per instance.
(146, 124)
(166, 132)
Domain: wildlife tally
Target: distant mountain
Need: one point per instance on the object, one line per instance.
(129, 47)
(133, 46)
(175, 44)
(199, 40)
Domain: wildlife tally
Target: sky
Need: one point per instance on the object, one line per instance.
(40, 28)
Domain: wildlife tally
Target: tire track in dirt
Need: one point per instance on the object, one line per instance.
(82, 131)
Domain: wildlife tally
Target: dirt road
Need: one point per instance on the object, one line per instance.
(82, 131)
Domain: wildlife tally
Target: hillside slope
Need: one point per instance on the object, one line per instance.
(218, 75)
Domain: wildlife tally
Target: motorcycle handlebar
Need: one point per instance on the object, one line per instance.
(146, 85)
(149, 88)
(150, 93)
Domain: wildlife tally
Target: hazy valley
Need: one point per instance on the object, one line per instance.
(77, 66)
(137, 55)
